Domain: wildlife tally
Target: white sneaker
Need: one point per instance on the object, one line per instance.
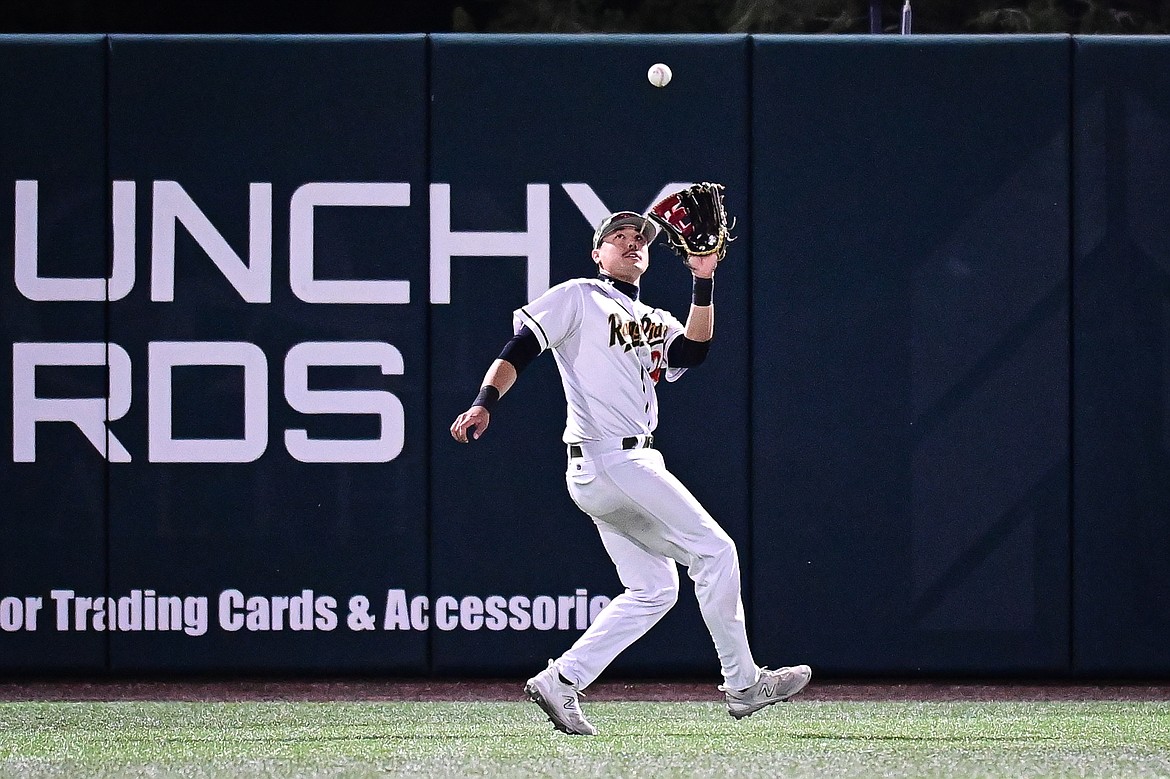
(772, 687)
(559, 702)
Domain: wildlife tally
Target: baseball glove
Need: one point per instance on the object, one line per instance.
(694, 220)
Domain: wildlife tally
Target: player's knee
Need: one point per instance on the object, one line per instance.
(658, 598)
(668, 596)
(722, 554)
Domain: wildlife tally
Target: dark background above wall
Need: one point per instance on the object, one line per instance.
(636, 16)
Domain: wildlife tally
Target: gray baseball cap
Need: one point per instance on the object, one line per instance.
(617, 221)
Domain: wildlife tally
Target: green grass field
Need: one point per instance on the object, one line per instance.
(802, 739)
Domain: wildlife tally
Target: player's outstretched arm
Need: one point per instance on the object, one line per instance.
(474, 421)
(691, 349)
(701, 320)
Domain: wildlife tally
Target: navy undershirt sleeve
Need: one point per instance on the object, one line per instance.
(685, 353)
(521, 350)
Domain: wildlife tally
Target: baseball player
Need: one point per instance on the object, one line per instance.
(611, 349)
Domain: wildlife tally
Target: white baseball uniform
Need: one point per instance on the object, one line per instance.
(610, 350)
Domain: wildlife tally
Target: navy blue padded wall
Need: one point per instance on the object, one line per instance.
(909, 344)
(313, 147)
(1121, 478)
(604, 139)
(910, 353)
(53, 522)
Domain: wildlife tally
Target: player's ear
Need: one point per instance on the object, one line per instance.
(596, 255)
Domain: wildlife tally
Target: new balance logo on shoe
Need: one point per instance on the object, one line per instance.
(545, 689)
(771, 687)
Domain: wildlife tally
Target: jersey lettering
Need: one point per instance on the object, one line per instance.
(628, 334)
(624, 332)
(655, 332)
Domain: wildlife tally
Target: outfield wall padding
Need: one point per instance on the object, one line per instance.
(910, 381)
(605, 139)
(1121, 357)
(53, 520)
(271, 270)
(253, 131)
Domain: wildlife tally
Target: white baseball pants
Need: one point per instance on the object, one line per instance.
(648, 520)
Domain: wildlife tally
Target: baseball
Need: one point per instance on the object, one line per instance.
(659, 74)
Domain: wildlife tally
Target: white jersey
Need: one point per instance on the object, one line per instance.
(610, 351)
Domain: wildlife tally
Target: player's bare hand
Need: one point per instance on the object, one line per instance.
(473, 422)
(703, 265)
